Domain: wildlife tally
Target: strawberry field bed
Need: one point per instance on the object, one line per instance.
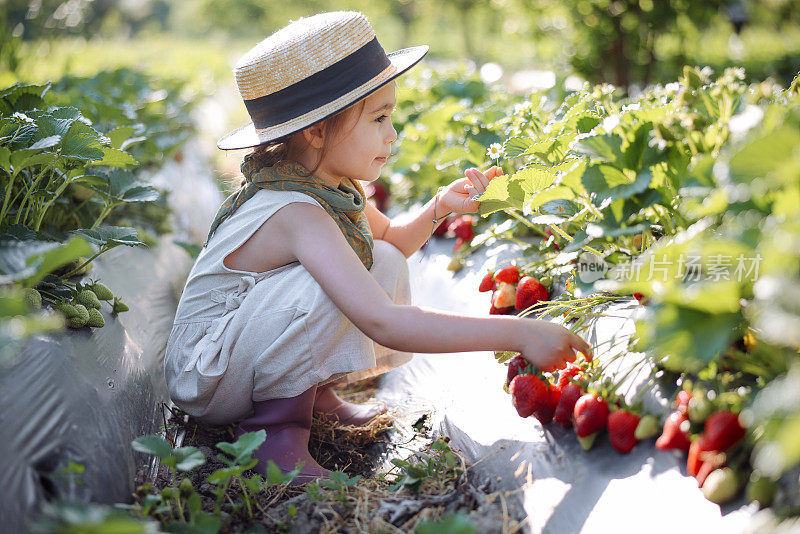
(553, 484)
(94, 201)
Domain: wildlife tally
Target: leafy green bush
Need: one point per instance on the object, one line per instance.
(65, 173)
(688, 195)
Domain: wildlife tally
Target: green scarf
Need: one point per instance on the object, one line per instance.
(345, 203)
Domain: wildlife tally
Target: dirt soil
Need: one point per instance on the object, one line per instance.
(373, 504)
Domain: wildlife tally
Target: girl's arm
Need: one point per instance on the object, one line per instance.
(319, 245)
(409, 233)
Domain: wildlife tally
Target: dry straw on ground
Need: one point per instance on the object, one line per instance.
(374, 503)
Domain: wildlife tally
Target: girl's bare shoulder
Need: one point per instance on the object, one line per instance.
(271, 245)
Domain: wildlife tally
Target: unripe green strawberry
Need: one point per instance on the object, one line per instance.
(79, 317)
(66, 308)
(186, 488)
(95, 318)
(88, 298)
(75, 322)
(455, 264)
(78, 262)
(102, 292)
(81, 312)
(587, 442)
(119, 307)
(721, 486)
(33, 298)
(648, 427)
(699, 409)
(761, 489)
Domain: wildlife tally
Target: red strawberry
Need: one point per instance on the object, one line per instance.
(548, 232)
(682, 401)
(697, 451)
(622, 429)
(527, 393)
(590, 414)
(723, 430)
(529, 292)
(570, 394)
(638, 296)
(571, 370)
(517, 364)
(487, 282)
(704, 470)
(500, 311)
(545, 412)
(462, 227)
(442, 228)
(509, 275)
(672, 437)
(505, 295)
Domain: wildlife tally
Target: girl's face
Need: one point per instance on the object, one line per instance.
(360, 151)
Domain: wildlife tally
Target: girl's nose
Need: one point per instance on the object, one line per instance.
(392, 133)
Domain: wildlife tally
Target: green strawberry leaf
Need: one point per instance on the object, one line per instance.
(110, 236)
(504, 192)
(119, 135)
(47, 142)
(30, 261)
(243, 448)
(28, 157)
(155, 445)
(761, 156)
(516, 146)
(122, 186)
(82, 142)
(603, 147)
(534, 181)
(187, 458)
(560, 207)
(113, 157)
(609, 183)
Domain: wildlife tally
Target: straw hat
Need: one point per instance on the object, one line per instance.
(310, 70)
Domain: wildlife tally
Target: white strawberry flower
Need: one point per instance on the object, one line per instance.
(22, 117)
(495, 151)
(610, 122)
(672, 88)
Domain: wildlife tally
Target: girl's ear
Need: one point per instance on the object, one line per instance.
(315, 135)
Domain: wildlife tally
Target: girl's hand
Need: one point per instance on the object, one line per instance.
(550, 346)
(458, 196)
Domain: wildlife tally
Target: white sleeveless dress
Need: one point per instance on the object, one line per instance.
(241, 337)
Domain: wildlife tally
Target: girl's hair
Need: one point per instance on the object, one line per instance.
(274, 151)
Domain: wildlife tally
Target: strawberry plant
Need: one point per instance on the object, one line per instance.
(684, 198)
(177, 460)
(440, 465)
(65, 173)
(337, 484)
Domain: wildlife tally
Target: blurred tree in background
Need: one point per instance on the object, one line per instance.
(615, 40)
(36, 19)
(618, 41)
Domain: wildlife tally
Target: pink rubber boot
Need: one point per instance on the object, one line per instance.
(288, 426)
(347, 413)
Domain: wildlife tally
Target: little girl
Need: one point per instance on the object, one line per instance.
(301, 282)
